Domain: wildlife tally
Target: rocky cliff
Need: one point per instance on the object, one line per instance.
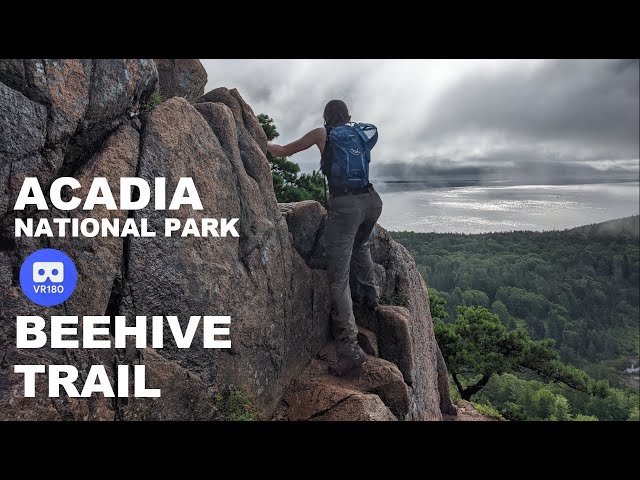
(91, 118)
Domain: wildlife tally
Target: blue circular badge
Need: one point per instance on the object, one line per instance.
(48, 277)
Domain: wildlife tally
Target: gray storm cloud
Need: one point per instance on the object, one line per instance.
(448, 114)
(592, 103)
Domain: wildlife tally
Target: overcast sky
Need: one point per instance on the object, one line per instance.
(454, 113)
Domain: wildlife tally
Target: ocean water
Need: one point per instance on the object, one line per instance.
(481, 209)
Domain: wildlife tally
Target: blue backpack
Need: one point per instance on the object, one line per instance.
(346, 156)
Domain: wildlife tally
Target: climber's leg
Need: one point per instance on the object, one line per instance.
(362, 269)
(343, 221)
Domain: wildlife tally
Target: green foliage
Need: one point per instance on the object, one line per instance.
(235, 405)
(477, 345)
(155, 99)
(438, 305)
(517, 398)
(453, 390)
(584, 418)
(501, 310)
(578, 287)
(617, 405)
(268, 126)
(288, 183)
(393, 299)
(488, 410)
(561, 310)
(312, 186)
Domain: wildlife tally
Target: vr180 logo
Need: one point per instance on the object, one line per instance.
(43, 271)
(48, 277)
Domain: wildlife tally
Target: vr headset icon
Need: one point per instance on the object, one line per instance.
(53, 271)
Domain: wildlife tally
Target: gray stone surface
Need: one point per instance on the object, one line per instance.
(404, 334)
(181, 77)
(87, 119)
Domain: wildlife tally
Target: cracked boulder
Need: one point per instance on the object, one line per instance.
(184, 396)
(358, 407)
(304, 220)
(279, 306)
(404, 333)
(50, 108)
(181, 77)
(90, 118)
(55, 114)
(378, 393)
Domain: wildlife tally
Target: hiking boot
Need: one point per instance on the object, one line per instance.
(350, 360)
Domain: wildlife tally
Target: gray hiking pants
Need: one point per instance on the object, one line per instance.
(350, 221)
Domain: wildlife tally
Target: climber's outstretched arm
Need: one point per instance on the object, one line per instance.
(314, 137)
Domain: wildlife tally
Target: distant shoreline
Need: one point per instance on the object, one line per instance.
(444, 182)
(627, 224)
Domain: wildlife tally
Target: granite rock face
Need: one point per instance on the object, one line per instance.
(63, 118)
(181, 77)
(91, 118)
(404, 334)
(55, 114)
(278, 305)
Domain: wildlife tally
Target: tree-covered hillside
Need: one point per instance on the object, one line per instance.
(577, 287)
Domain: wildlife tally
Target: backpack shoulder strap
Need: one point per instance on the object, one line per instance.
(369, 142)
(364, 138)
(326, 157)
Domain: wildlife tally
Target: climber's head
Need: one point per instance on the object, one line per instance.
(336, 113)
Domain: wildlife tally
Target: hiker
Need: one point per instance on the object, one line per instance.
(353, 210)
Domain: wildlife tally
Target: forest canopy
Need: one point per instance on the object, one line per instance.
(571, 295)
